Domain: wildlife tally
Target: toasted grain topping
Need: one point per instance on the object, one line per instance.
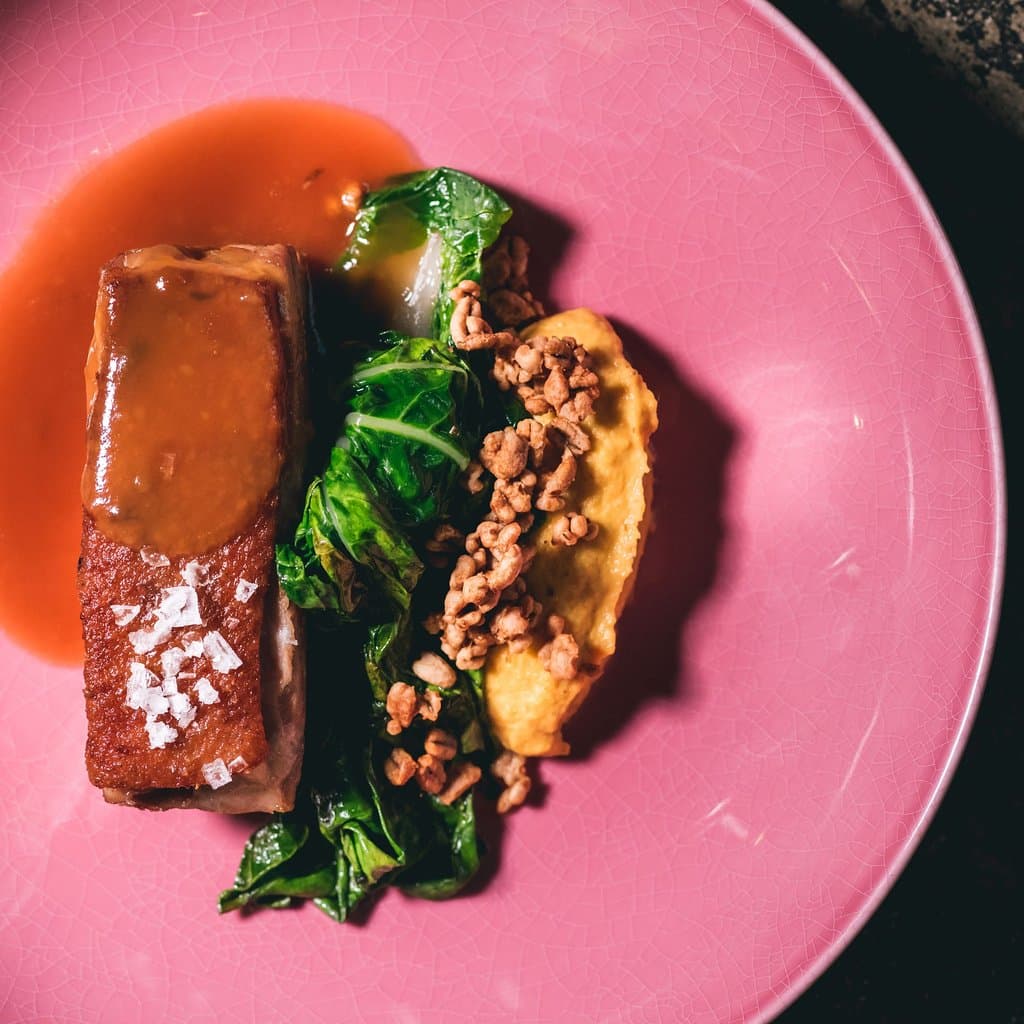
(512, 309)
(433, 669)
(460, 780)
(504, 453)
(473, 478)
(561, 657)
(445, 541)
(533, 464)
(429, 706)
(430, 773)
(443, 745)
(571, 528)
(510, 769)
(400, 767)
(401, 705)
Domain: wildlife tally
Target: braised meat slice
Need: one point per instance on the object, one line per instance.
(194, 659)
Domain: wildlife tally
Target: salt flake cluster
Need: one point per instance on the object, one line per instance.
(218, 774)
(170, 710)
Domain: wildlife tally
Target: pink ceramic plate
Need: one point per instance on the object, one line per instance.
(815, 609)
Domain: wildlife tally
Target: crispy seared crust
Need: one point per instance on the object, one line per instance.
(117, 751)
(260, 714)
(271, 785)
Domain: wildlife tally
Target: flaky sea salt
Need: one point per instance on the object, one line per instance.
(216, 774)
(182, 709)
(124, 613)
(244, 590)
(179, 606)
(195, 574)
(153, 558)
(171, 660)
(146, 692)
(206, 692)
(179, 703)
(156, 703)
(160, 733)
(145, 639)
(140, 680)
(218, 650)
(239, 764)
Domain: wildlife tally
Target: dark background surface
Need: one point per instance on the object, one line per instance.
(945, 79)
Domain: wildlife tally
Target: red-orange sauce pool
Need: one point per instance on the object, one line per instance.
(256, 172)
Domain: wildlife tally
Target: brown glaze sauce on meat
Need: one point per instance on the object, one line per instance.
(255, 172)
(184, 438)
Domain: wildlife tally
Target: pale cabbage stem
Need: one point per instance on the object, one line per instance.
(376, 371)
(400, 429)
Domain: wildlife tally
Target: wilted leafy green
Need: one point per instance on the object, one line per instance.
(275, 868)
(351, 831)
(464, 214)
(410, 415)
(347, 544)
(413, 424)
(453, 857)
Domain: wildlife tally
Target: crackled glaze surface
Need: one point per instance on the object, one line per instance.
(815, 608)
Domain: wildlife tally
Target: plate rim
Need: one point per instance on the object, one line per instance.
(815, 966)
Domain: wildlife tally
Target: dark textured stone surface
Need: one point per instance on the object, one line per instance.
(948, 943)
(980, 43)
(989, 31)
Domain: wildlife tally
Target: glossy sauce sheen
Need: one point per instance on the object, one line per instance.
(257, 172)
(184, 438)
